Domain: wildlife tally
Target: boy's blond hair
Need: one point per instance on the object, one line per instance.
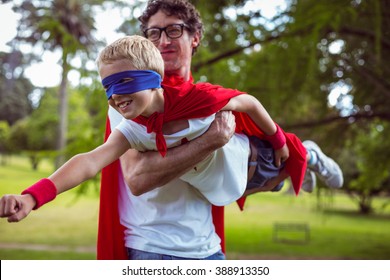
(141, 53)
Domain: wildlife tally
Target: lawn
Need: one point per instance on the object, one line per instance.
(336, 231)
(272, 226)
(55, 231)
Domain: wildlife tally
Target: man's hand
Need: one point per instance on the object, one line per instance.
(16, 207)
(221, 129)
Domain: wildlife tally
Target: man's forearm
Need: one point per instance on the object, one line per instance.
(146, 171)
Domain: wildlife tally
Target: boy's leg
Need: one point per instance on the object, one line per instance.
(273, 184)
(326, 168)
(261, 167)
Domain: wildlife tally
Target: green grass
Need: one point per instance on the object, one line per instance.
(17, 254)
(336, 230)
(69, 221)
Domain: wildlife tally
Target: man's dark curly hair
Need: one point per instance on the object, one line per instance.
(181, 9)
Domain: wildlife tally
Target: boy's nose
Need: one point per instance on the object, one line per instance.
(115, 96)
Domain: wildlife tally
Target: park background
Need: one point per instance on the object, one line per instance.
(319, 67)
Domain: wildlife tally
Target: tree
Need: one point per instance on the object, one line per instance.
(4, 141)
(14, 88)
(36, 135)
(59, 24)
(370, 173)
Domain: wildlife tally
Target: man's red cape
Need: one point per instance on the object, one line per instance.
(184, 100)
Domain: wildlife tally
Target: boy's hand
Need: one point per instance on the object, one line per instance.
(281, 155)
(16, 207)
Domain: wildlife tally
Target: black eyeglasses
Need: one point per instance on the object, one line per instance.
(172, 31)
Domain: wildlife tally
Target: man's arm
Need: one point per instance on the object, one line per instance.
(146, 171)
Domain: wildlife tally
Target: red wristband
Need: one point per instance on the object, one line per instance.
(43, 191)
(277, 140)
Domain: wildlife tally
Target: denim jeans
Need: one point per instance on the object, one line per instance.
(134, 254)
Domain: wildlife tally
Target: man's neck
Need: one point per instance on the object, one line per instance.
(185, 74)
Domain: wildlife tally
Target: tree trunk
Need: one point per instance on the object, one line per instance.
(365, 204)
(63, 113)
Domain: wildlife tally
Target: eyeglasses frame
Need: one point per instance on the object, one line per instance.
(161, 29)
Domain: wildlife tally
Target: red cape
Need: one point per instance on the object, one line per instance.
(184, 101)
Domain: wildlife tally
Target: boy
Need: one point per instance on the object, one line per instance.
(137, 95)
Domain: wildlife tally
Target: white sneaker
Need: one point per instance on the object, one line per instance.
(326, 168)
(309, 181)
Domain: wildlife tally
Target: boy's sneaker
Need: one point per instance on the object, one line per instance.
(309, 181)
(326, 168)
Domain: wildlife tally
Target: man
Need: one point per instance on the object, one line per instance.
(183, 228)
(163, 217)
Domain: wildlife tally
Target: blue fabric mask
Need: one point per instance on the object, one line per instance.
(141, 80)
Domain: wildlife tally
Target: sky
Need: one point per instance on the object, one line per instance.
(48, 72)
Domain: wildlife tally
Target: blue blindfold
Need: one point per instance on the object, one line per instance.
(141, 80)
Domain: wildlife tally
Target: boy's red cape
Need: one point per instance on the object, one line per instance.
(183, 100)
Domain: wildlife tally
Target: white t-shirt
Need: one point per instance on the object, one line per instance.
(174, 219)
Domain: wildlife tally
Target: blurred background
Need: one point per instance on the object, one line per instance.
(320, 67)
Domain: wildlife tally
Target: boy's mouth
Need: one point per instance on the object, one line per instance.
(124, 104)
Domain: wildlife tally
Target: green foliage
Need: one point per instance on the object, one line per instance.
(369, 171)
(5, 145)
(57, 23)
(38, 131)
(43, 123)
(4, 136)
(64, 25)
(87, 120)
(37, 134)
(130, 25)
(14, 88)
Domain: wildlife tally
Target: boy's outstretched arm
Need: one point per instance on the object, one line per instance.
(86, 165)
(75, 171)
(146, 171)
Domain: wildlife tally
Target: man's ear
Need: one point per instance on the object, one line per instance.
(196, 40)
